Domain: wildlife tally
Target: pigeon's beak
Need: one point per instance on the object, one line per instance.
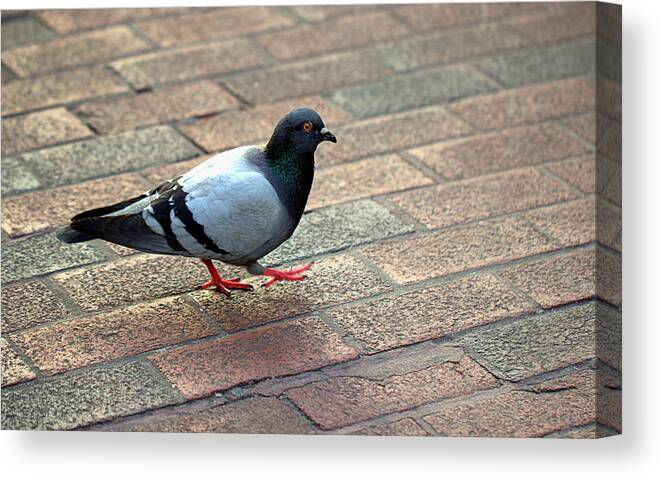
(327, 135)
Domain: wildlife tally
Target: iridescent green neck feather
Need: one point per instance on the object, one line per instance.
(291, 173)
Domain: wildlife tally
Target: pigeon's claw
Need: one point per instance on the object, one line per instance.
(222, 285)
(219, 287)
(225, 285)
(291, 274)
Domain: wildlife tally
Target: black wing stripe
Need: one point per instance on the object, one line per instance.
(162, 209)
(192, 226)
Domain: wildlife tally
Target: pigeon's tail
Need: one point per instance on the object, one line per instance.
(70, 236)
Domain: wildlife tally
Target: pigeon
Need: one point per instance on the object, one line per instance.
(235, 207)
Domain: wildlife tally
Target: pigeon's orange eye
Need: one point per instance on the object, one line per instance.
(307, 126)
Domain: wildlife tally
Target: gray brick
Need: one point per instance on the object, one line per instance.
(14, 370)
(307, 77)
(7, 75)
(337, 227)
(39, 255)
(391, 133)
(24, 31)
(429, 313)
(446, 47)
(111, 154)
(609, 336)
(189, 62)
(28, 304)
(541, 64)
(289, 299)
(65, 52)
(76, 400)
(16, 177)
(609, 62)
(412, 90)
(539, 343)
(59, 88)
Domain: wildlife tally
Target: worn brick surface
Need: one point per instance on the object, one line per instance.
(576, 20)
(537, 344)
(438, 254)
(464, 232)
(609, 23)
(609, 400)
(572, 223)
(338, 227)
(38, 255)
(569, 278)
(22, 31)
(399, 93)
(161, 106)
(16, 176)
(492, 152)
(152, 276)
(280, 349)
(307, 77)
(541, 64)
(442, 15)
(59, 88)
(294, 298)
(189, 62)
(587, 126)
(70, 20)
(429, 313)
(110, 154)
(444, 47)
(609, 62)
(394, 132)
(40, 129)
(608, 338)
(613, 190)
(346, 182)
(14, 370)
(43, 210)
(591, 431)
(403, 427)
(556, 404)
(86, 48)
(253, 415)
(386, 364)
(100, 338)
(342, 401)
(7, 75)
(238, 128)
(216, 24)
(580, 172)
(453, 15)
(528, 104)
(483, 197)
(609, 98)
(75, 400)
(29, 304)
(343, 33)
(320, 13)
(611, 145)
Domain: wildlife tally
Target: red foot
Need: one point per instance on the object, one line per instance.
(292, 274)
(222, 285)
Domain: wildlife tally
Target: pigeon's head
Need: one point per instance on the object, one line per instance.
(300, 130)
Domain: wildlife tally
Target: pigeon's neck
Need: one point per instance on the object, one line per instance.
(291, 173)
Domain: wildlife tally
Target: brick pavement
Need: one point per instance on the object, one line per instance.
(466, 229)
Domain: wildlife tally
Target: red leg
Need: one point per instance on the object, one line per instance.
(291, 274)
(222, 285)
